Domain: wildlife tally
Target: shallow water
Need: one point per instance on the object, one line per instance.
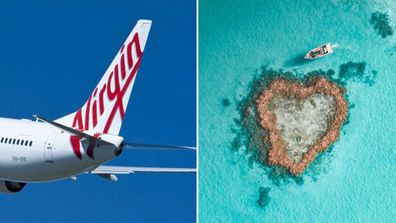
(354, 180)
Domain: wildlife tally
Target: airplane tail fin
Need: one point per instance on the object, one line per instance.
(105, 108)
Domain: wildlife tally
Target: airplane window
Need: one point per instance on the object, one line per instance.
(13, 141)
(31, 142)
(2, 138)
(6, 139)
(22, 142)
(26, 143)
(18, 142)
(9, 141)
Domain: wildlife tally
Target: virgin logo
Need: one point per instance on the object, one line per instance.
(109, 95)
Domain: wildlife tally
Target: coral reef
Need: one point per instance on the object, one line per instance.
(301, 120)
(381, 23)
(302, 123)
(264, 198)
(249, 134)
(226, 102)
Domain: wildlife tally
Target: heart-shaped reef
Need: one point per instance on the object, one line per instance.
(302, 119)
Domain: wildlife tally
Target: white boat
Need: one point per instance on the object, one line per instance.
(319, 51)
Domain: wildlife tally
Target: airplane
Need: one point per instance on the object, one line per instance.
(44, 150)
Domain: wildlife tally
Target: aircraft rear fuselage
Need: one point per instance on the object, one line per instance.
(37, 151)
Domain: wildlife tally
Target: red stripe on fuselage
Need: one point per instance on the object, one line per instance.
(91, 147)
(75, 143)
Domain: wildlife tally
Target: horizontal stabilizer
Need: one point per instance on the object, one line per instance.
(128, 170)
(157, 147)
(72, 131)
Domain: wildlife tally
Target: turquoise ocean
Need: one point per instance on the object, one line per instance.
(243, 41)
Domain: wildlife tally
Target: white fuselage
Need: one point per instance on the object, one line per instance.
(36, 151)
(80, 141)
